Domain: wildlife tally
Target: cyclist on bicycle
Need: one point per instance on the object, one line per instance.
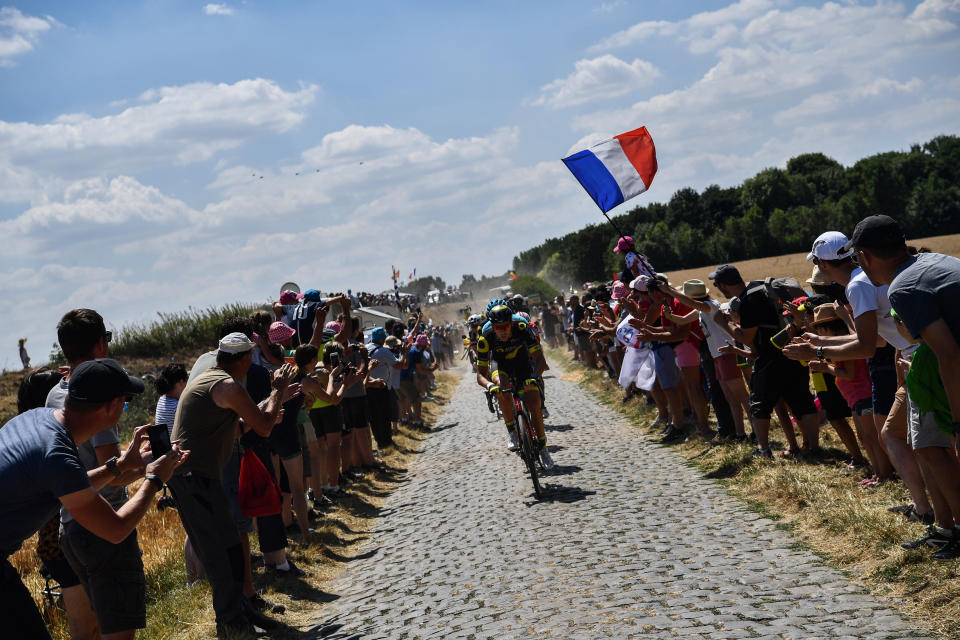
(507, 339)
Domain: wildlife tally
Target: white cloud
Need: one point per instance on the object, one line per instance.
(599, 78)
(702, 32)
(166, 126)
(218, 9)
(610, 6)
(20, 33)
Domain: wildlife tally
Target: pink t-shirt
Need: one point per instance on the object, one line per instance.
(860, 388)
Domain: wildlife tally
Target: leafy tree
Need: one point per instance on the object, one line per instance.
(775, 211)
(556, 271)
(527, 285)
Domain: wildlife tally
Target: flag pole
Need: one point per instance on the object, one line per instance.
(615, 227)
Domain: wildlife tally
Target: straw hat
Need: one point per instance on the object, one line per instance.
(817, 277)
(825, 313)
(695, 289)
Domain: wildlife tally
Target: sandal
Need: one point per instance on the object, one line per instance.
(869, 483)
(789, 452)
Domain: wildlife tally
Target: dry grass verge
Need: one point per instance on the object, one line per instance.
(175, 610)
(820, 502)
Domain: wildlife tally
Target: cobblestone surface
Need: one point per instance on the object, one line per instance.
(631, 543)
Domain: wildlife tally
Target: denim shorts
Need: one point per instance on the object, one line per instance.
(665, 363)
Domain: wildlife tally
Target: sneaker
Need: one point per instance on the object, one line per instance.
(259, 603)
(545, 459)
(904, 509)
(933, 538)
(294, 570)
(546, 412)
(925, 518)
(512, 444)
(951, 550)
(322, 503)
(762, 453)
(659, 422)
(739, 439)
(239, 629)
(672, 435)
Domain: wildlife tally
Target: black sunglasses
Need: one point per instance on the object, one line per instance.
(107, 336)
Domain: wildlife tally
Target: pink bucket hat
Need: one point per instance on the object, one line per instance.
(422, 341)
(333, 325)
(280, 332)
(289, 297)
(625, 243)
(619, 290)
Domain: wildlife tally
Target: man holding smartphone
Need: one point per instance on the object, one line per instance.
(83, 336)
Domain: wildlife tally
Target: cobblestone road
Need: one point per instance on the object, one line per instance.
(633, 544)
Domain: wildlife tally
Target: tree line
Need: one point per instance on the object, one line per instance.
(776, 211)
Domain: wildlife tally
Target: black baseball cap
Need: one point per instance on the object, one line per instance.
(101, 380)
(876, 232)
(725, 274)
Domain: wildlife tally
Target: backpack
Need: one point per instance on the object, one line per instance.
(259, 494)
(777, 291)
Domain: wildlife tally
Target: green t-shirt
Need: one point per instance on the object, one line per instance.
(926, 388)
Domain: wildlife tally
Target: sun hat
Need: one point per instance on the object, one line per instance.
(695, 289)
(379, 334)
(333, 324)
(422, 341)
(392, 342)
(235, 342)
(817, 277)
(830, 245)
(101, 380)
(625, 243)
(619, 290)
(280, 332)
(825, 313)
(289, 297)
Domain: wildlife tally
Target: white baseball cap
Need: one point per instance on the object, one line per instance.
(236, 342)
(829, 246)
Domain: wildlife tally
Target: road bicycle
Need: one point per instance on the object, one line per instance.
(527, 440)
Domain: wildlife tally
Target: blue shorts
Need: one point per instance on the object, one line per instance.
(665, 362)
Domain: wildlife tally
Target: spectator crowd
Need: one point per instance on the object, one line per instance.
(266, 432)
(261, 435)
(872, 337)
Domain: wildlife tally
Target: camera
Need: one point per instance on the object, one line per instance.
(334, 360)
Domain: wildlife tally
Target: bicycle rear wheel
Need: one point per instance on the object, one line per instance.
(528, 452)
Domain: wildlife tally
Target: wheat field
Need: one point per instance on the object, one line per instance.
(796, 265)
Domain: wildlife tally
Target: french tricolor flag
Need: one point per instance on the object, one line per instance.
(615, 170)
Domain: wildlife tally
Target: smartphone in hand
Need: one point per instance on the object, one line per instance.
(159, 440)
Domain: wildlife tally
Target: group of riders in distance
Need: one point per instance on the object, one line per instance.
(504, 349)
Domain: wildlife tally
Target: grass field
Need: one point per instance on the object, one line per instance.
(796, 265)
(821, 503)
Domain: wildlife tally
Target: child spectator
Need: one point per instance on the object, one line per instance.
(169, 385)
(853, 381)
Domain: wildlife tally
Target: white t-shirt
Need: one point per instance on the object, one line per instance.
(713, 332)
(865, 296)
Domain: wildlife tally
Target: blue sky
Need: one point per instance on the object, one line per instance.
(133, 135)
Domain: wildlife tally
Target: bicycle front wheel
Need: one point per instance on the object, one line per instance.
(528, 451)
